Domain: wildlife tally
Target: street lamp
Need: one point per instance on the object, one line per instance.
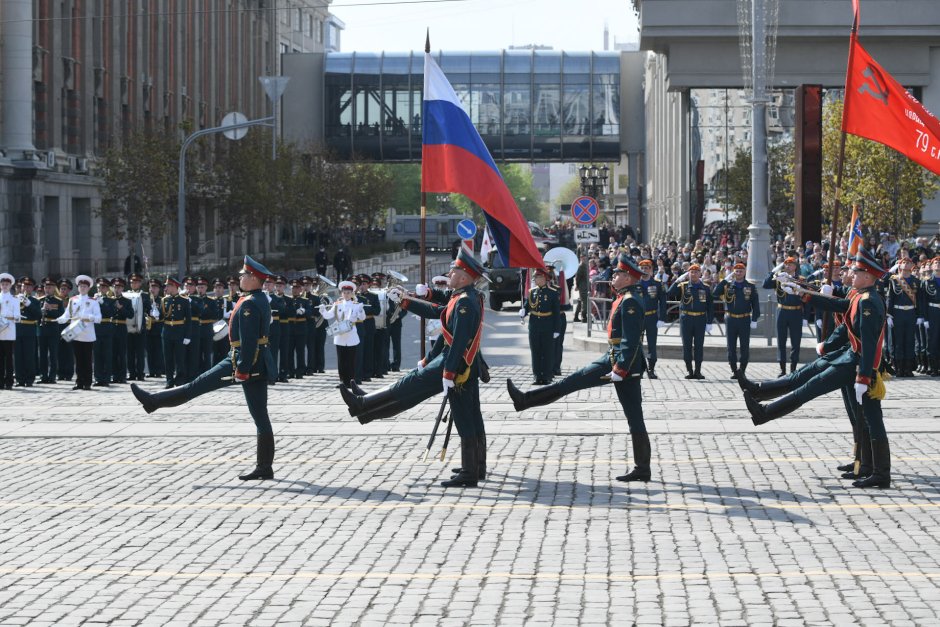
(594, 183)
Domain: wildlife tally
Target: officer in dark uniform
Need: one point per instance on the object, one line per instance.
(316, 332)
(654, 296)
(210, 314)
(380, 343)
(300, 312)
(365, 352)
(903, 311)
(277, 305)
(858, 366)
(931, 297)
(155, 363)
(137, 342)
(696, 313)
(453, 365)
(321, 259)
(27, 334)
(742, 311)
(104, 335)
(395, 317)
(250, 364)
(49, 331)
(176, 313)
(285, 308)
(194, 348)
(543, 307)
(123, 311)
(66, 357)
(224, 306)
(623, 365)
(789, 316)
(564, 307)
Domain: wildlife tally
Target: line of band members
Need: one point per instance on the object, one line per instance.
(179, 336)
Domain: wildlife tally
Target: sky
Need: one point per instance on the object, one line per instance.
(575, 25)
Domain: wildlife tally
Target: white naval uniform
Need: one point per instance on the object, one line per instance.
(82, 307)
(10, 311)
(345, 310)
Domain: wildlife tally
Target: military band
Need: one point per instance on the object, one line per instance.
(52, 307)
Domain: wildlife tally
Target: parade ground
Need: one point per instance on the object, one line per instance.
(112, 516)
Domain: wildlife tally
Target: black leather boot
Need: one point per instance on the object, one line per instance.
(793, 366)
(533, 398)
(642, 453)
(761, 414)
(358, 391)
(880, 476)
(764, 390)
(651, 372)
(367, 403)
(734, 370)
(263, 465)
(481, 459)
(850, 465)
(467, 477)
(783, 369)
(862, 466)
(151, 402)
(688, 367)
(698, 371)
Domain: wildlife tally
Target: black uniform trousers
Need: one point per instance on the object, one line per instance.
(789, 323)
(193, 355)
(6, 362)
(285, 350)
(394, 336)
(559, 346)
(119, 356)
(905, 322)
(542, 348)
(933, 333)
(220, 349)
(24, 355)
(155, 363)
(630, 396)
(365, 354)
(66, 360)
(49, 355)
(174, 357)
(652, 334)
(298, 364)
(255, 389)
(380, 352)
(206, 347)
(104, 352)
(346, 362)
(738, 333)
(84, 354)
(692, 330)
(136, 353)
(316, 347)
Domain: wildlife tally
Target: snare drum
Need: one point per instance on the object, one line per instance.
(219, 330)
(73, 330)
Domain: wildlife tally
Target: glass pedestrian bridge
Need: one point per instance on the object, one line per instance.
(528, 105)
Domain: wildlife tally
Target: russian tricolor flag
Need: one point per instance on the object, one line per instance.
(856, 237)
(455, 160)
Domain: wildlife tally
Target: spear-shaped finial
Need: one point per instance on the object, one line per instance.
(427, 42)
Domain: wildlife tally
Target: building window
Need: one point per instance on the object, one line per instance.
(298, 19)
(284, 48)
(309, 26)
(319, 31)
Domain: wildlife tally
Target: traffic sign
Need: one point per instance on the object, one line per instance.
(585, 235)
(232, 119)
(584, 210)
(466, 229)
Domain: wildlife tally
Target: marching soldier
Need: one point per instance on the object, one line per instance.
(544, 310)
(84, 312)
(250, 365)
(857, 366)
(49, 332)
(66, 358)
(931, 297)
(316, 332)
(176, 313)
(297, 363)
(381, 341)
(789, 316)
(27, 328)
(123, 312)
(277, 305)
(654, 296)
(623, 365)
(155, 363)
(696, 313)
(453, 364)
(903, 313)
(742, 311)
(366, 328)
(9, 316)
(137, 342)
(104, 334)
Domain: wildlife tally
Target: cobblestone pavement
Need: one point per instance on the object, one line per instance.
(740, 526)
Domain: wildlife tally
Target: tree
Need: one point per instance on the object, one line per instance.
(889, 188)
(406, 187)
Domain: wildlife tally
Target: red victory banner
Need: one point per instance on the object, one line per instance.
(878, 108)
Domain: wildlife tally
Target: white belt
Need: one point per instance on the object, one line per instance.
(906, 307)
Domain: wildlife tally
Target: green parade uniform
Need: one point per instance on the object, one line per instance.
(930, 292)
(696, 312)
(49, 333)
(285, 342)
(123, 311)
(654, 296)
(365, 351)
(156, 365)
(543, 306)
(249, 363)
(742, 308)
(176, 314)
(25, 347)
(279, 324)
(193, 349)
(104, 341)
(211, 313)
(789, 323)
(316, 337)
(298, 326)
(137, 342)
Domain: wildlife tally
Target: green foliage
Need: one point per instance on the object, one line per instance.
(889, 188)
(406, 187)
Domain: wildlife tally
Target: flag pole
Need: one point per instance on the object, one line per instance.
(424, 215)
(840, 167)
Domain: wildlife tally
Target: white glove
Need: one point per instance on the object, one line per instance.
(708, 328)
(783, 277)
(819, 348)
(753, 324)
(448, 384)
(920, 322)
(395, 294)
(825, 289)
(890, 322)
(420, 365)
(227, 314)
(789, 288)
(522, 312)
(155, 314)
(860, 389)
(615, 377)
(421, 289)
(926, 324)
(819, 323)
(660, 324)
(186, 341)
(555, 335)
(300, 311)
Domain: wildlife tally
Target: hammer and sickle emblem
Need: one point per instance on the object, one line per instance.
(878, 91)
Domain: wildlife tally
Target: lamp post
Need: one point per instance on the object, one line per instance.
(594, 184)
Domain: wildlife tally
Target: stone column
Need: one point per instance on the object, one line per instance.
(16, 91)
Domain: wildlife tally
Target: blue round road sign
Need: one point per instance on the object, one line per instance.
(466, 229)
(584, 210)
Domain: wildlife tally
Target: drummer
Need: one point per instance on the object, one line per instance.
(82, 314)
